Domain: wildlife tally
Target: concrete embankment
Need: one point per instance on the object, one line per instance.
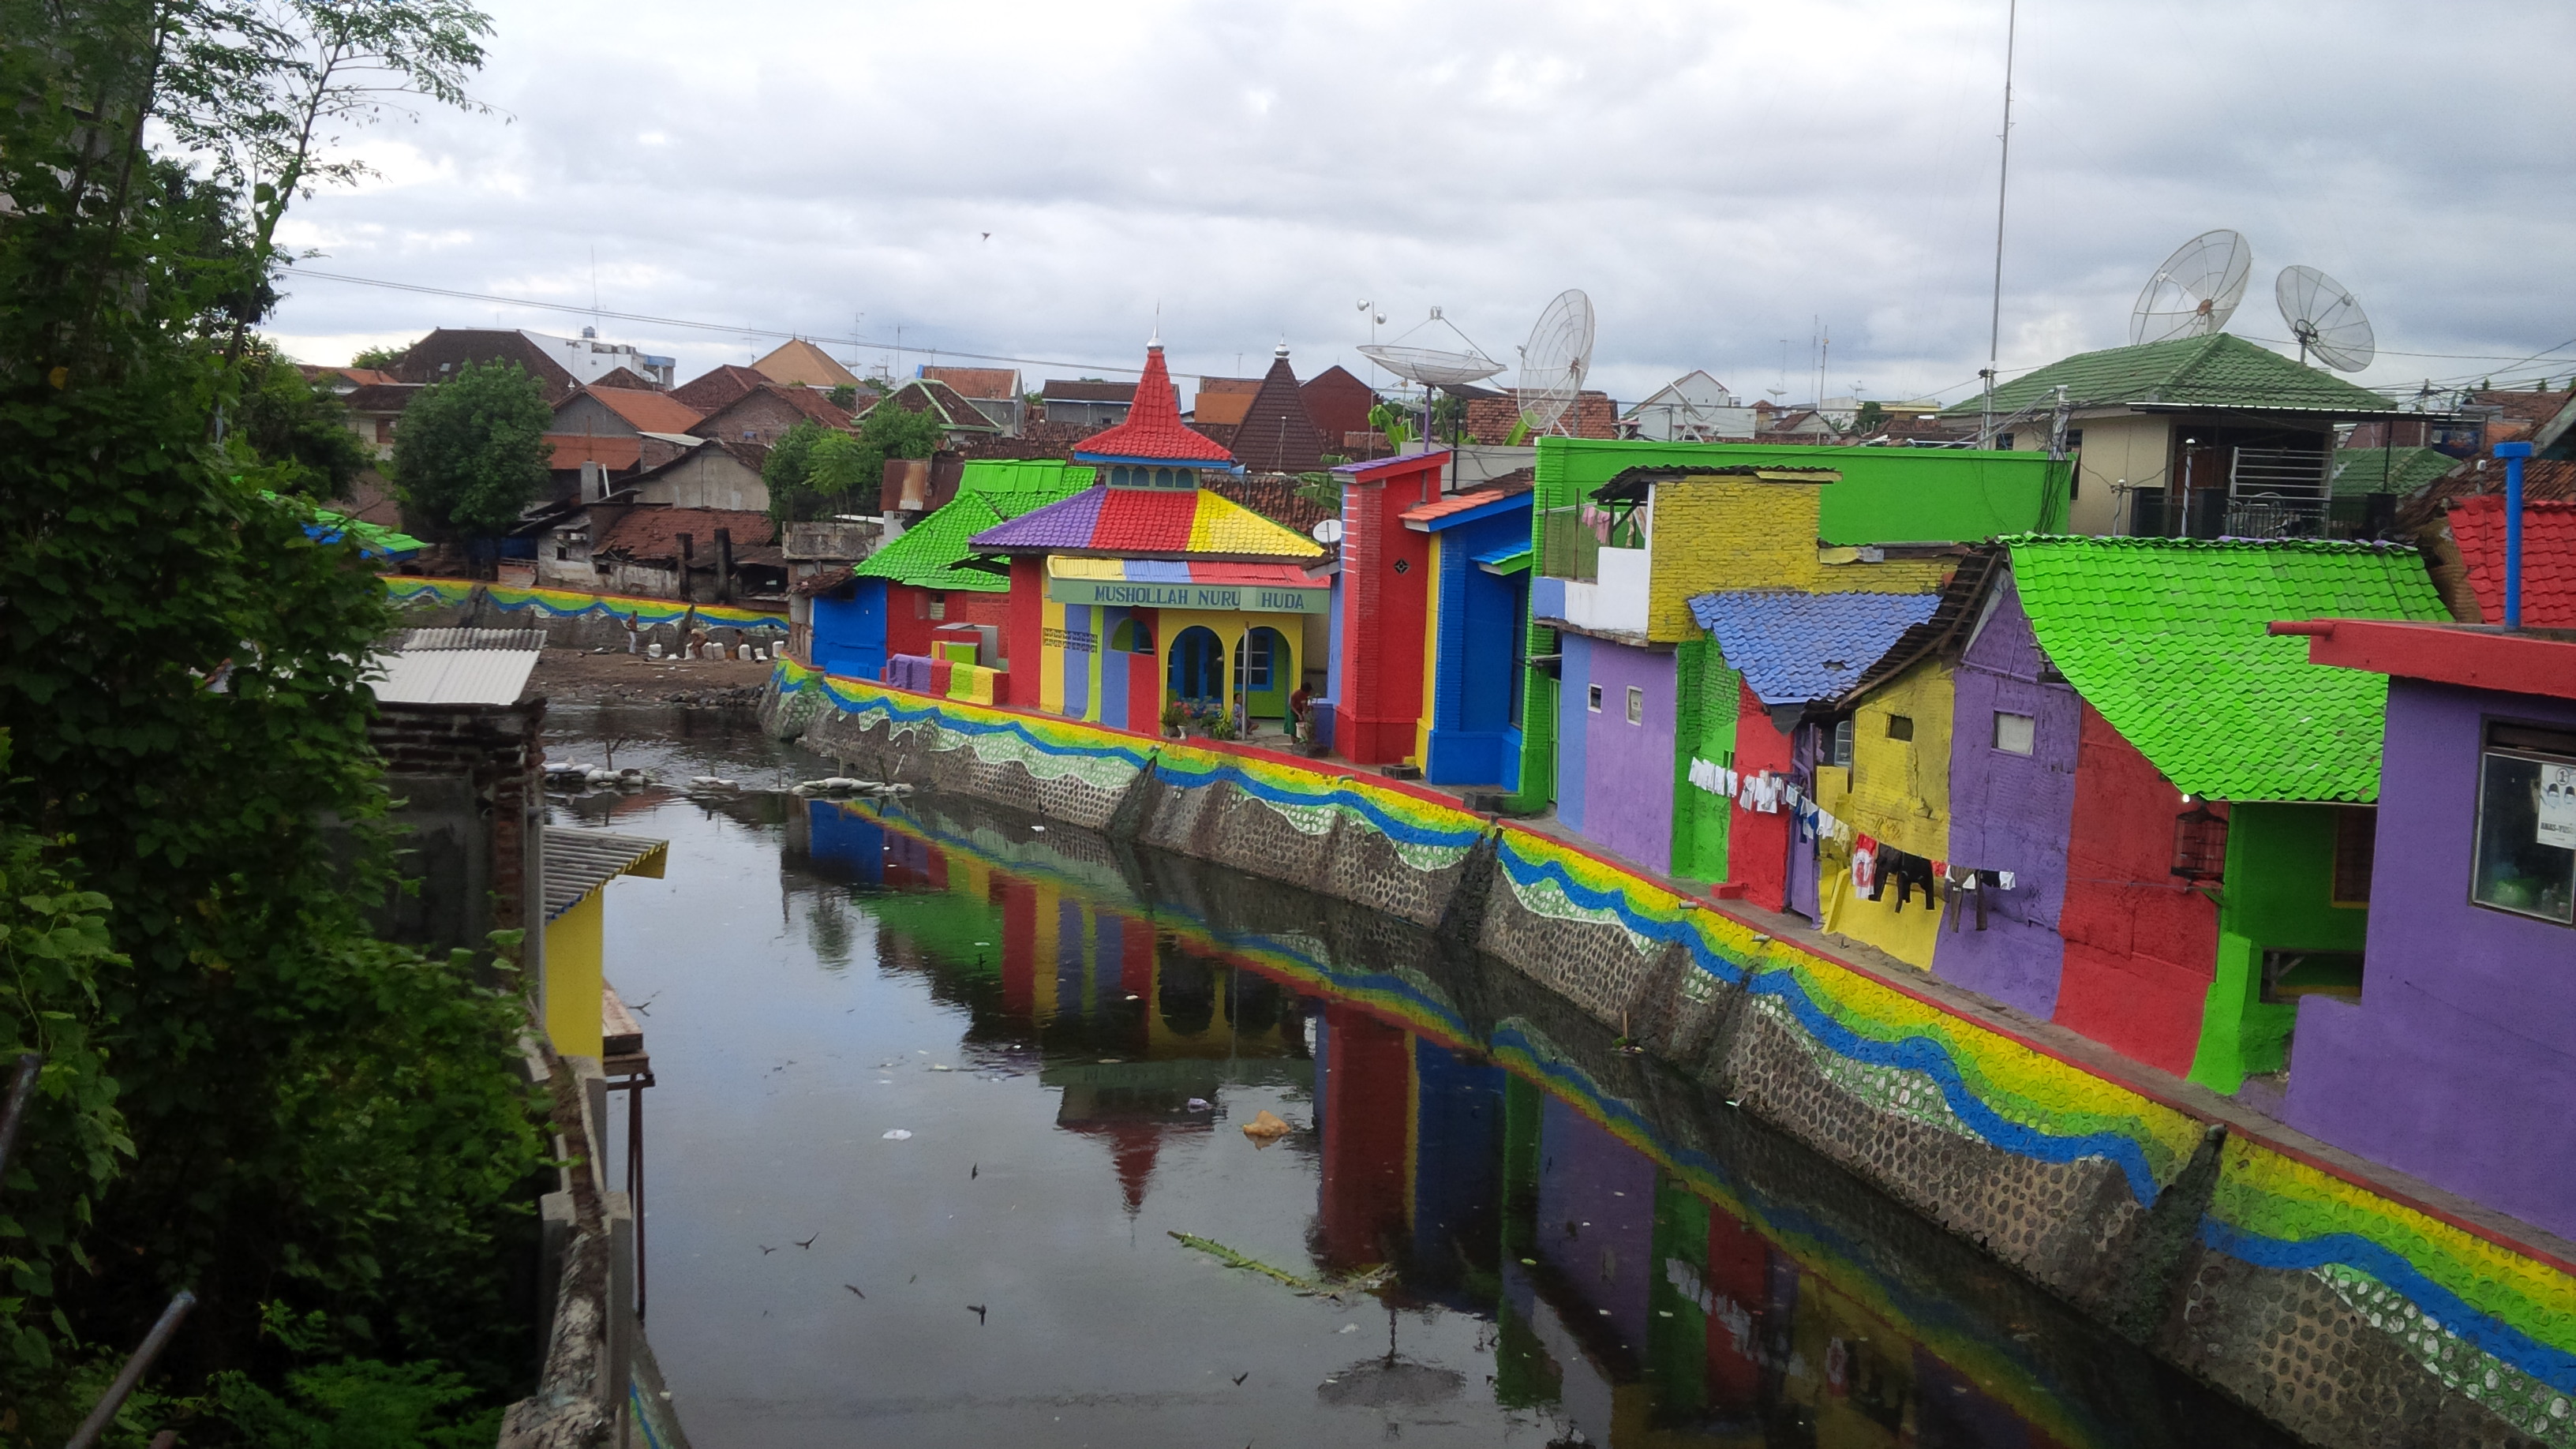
(2350, 1305)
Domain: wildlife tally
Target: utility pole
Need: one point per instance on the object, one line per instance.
(2003, 179)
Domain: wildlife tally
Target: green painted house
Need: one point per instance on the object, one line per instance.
(889, 603)
(2216, 826)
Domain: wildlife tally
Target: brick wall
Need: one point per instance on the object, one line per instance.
(466, 779)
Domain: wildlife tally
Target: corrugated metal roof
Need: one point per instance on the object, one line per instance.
(473, 639)
(581, 861)
(454, 676)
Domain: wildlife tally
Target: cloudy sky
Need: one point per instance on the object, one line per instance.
(1726, 180)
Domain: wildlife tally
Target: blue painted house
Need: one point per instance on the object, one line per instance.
(1475, 622)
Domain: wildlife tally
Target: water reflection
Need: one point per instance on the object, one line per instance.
(1637, 1264)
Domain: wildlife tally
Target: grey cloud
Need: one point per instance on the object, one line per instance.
(1716, 176)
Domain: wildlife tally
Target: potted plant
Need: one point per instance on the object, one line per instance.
(1173, 714)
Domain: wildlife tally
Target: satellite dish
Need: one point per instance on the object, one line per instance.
(2195, 291)
(1554, 362)
(2326, 319)
(1328, 531)
(1433, 366)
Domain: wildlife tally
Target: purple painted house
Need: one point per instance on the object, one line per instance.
(1615, 747)
(2458, 1064)
(2015, 727)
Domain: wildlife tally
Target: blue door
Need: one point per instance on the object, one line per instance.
(1198, 665)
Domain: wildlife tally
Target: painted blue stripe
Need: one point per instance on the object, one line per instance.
(1387, 824)
(1928, 1314)
(1525, 871)
(1914, 1053)
(2553, 1366)
(1917, 1053)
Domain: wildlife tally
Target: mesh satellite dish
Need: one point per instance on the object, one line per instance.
(1433, 366)
(1553, 363)
(2325, 318)
(2195, 291)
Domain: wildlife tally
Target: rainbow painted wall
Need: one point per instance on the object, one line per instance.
(564, 604)
(2488, 1320)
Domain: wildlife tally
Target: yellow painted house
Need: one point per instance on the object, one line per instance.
(572, 984)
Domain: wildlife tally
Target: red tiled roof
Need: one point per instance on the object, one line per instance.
(1087, 390)
(1338, 402)
(988, 383)
(438, 356)
(1154, 430)
(624, 377)
(379, 397)
(2548, 558)
(1219, 409)
(574, 449)
(2523, 405)
(650, 534)
(1460, 502)
(1273, 496)
(649, 412)
(709, 391)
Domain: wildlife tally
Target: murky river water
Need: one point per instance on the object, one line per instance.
(938, 1084)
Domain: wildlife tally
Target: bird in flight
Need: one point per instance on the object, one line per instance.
(853, 1287)
(978, 1310)
(765, 1249)
(809, 1242)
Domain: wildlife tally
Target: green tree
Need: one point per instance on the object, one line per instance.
(379, 357)
(472, 452)
(844, 396)
(287, 420)
(813, 470)
(315, 1117)
(785, 470)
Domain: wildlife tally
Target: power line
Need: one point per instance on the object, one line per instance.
(727, 328)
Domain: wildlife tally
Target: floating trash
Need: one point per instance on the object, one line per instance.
(897, 1134)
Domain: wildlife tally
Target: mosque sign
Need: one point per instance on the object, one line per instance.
(1214, 598)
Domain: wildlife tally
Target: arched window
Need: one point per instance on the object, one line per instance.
(1131, 637)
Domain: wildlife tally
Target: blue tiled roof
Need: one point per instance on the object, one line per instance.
(1793, 647)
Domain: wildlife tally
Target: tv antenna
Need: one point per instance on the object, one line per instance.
(1553, 363)
(2195, 291)
(2326, 318)
(1432, 367)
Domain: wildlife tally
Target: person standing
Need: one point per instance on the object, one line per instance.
(634, 633)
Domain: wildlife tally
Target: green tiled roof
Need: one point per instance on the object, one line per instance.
(2219, 370)
(2388, 470)
(2166, 638)
(931, 553)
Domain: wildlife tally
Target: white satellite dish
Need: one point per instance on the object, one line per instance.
(1328, 531)
(1554, 362)
(1434, 366)
(2326, 319)
(2195, 291)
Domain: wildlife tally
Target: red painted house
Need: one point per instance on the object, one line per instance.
(1377, 640)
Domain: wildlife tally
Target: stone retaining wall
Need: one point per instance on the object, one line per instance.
(2347, 1315)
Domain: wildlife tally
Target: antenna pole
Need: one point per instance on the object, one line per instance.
(2003, 179)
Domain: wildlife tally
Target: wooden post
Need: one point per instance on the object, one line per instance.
(724, 565)
(687, 558)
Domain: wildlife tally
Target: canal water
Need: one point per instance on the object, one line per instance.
(938, 1085)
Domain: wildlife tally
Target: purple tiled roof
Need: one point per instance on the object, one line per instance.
(1066, 524)
(1793, 647)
